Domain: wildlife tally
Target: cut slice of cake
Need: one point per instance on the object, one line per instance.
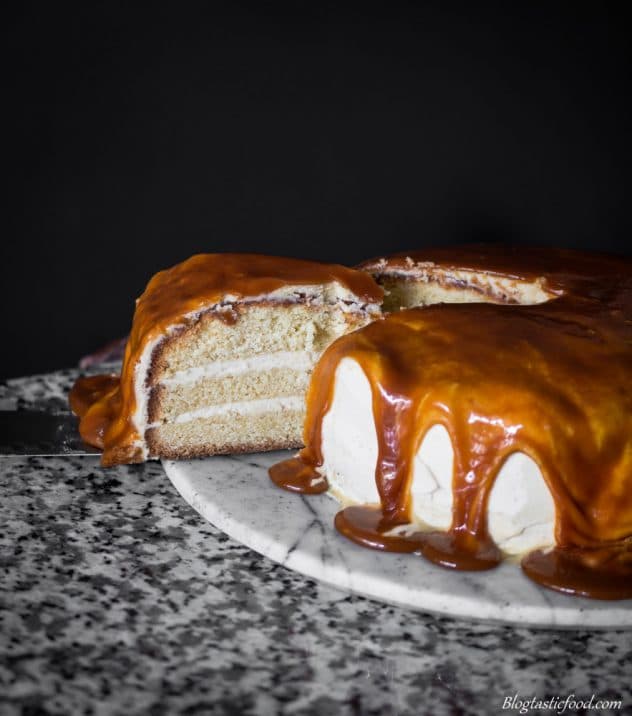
(219, 357)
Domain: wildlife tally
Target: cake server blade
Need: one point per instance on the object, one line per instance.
(29, 432)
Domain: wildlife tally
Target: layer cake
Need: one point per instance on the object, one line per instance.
(498, 426)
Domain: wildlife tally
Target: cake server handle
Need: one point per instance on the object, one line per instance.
(30, 432)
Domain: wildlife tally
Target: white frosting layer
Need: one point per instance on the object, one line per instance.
(332, 294)
(293, 360)
(521, 512)
(139, 419)
(245, 407)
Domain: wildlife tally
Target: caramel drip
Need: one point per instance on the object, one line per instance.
(87, 391)
(553, 381)
(602, 573)
(173, 297)
(296, 476)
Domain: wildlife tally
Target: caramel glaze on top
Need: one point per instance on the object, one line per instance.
(106, 405)
(553, 381)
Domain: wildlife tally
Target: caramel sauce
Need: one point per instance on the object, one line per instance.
(603, 573)
(552, 380)
(95, 401)
(87, 391)
(294, 475)
(106, 406)
(367, 526)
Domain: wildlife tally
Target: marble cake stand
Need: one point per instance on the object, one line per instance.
(235, 494)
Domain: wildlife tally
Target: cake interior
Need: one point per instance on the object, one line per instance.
(425, 286)
(235, 381)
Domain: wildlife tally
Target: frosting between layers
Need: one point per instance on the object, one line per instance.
(242, 407)
(294, 360)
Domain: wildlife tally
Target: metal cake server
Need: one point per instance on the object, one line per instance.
(29, 432)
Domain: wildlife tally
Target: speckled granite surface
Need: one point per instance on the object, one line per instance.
(116, 597)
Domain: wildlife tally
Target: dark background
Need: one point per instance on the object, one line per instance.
(140, 136)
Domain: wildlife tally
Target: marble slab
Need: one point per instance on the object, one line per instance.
(235, 494)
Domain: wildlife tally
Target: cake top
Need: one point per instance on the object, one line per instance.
(202, 282)
(564, 270)
(552, 380)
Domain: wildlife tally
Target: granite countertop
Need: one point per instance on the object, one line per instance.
(116, 597)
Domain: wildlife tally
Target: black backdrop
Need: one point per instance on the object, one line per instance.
(140, 136)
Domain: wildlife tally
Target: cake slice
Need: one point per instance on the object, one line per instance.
(219, 357)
